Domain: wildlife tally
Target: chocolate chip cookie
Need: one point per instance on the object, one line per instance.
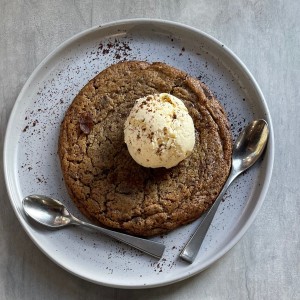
(107, 185)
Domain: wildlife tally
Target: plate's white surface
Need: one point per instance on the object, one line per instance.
(32, 166)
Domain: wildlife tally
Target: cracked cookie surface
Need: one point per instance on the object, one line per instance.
(107, 185)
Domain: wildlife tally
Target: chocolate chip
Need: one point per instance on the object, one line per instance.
(86, 123)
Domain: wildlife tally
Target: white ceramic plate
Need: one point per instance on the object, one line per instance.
(32, 166)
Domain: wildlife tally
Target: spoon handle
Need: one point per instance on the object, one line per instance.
(150, 247)
(191, 249)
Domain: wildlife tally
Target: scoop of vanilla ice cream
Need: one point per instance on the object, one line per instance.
(159, 132)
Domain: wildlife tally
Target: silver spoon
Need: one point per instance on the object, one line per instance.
(52, 213)
(247, 149)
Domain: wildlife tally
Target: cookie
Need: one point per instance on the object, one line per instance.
(107, 185)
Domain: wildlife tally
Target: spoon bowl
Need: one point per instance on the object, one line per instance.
(249, 145)
(247, 149)
(46, 211)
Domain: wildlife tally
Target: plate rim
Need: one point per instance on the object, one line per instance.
(160, 22)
